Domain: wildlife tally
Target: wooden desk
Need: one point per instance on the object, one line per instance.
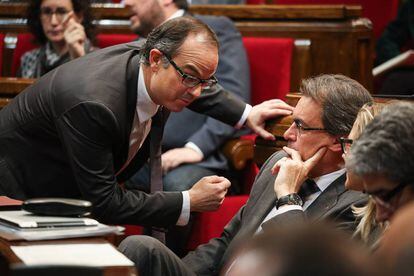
(9, 258)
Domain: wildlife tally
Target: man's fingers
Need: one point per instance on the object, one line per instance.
(311, 162)
(264, 133)
(293, 154)
(278, 104)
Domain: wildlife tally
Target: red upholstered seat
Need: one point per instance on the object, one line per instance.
(211, 224)
(24, 44)
(106, 40)
(380, 12)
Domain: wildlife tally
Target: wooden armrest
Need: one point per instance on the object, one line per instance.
(239, 152)
(10, 87)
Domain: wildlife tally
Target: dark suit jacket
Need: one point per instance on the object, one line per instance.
(333, 204)
(233, 74)
(68, 134)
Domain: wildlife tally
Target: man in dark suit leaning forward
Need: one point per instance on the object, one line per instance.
(325, 112)
(84, 127)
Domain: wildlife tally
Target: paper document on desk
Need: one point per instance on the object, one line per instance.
(96, 254)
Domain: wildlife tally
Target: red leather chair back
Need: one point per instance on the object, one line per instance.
(106, 40)
(23, 45)
(270, 62)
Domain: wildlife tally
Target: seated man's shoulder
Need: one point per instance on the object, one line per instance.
(217, 21)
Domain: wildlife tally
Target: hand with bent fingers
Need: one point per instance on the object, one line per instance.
(292, 171)
(175, 157)
(264, 111)
(75, 36)
(208, 193)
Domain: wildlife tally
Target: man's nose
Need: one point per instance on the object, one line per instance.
(195, 91)
(54, 20)
(290, 133)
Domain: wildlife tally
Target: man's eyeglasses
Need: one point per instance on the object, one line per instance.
(47, 13)
(191, 81)
(385, 197)
(345, 144)
(300, 128)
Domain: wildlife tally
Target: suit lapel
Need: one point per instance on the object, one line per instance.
(327, 200)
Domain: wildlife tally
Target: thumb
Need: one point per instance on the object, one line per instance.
(311, 162)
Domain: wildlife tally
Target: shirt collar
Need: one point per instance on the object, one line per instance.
(325, 180)
(146, 108)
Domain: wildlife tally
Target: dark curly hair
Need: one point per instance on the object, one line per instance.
(79, 6)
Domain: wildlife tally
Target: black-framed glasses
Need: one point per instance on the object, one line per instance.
(385, 197)
(47, 13)
(301, 128)
(345, 144)
(191, 81)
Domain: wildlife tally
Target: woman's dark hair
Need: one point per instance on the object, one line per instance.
(79, 7)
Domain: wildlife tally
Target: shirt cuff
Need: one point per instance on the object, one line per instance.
(243, 118)
(286, 208)
(185, 210)
(193, 146)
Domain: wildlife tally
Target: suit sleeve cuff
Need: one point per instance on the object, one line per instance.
(185, 210)
(193, 146)
(243, 118)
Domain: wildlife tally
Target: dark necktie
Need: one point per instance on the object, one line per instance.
(308, 188)
(157, 127)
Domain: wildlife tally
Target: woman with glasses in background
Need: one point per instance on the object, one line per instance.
(368, 230)
(64, 31)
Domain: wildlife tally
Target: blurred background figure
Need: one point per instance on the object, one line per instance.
(313, 249)
(368, 230)
(64, 31)
(382, 158)
(397, 245)
(397, 38)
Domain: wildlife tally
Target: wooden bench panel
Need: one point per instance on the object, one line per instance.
(342, 42)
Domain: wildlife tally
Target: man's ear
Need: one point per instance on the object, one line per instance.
(155, 59)
(335, 146)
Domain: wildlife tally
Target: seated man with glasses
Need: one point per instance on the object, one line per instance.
(382, 158)
(64, 31)
(325, 112)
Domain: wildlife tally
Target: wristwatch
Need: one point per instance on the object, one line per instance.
(290, 199)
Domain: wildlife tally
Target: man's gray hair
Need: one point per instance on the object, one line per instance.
(340, 97)
(169, 36)
(386, 146)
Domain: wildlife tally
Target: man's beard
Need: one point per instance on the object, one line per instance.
(144, 28)
(150, 21)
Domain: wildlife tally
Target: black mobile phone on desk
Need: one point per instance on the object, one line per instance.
(57, 207)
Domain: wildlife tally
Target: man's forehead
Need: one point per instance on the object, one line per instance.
(308, 107)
